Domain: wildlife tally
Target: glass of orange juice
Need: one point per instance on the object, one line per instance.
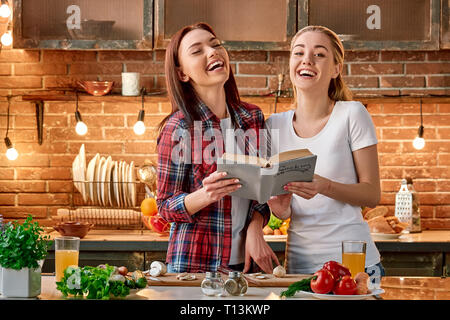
(354, 256)
(66, 254)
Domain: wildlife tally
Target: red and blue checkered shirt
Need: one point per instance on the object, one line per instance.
(200, 242)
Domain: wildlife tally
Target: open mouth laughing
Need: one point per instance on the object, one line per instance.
(215, 65)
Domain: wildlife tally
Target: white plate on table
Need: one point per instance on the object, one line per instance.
(385, 236)
(90, 177)
(132, 185)
(75, 173)
(106, 177)
(98, 179)
(115, 183)
(119, 182)
(82, 172)
(305, 294)
(109, 185)
(123, 185)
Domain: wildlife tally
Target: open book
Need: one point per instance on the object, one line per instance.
(262, 178)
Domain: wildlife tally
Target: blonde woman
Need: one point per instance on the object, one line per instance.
(340, 132)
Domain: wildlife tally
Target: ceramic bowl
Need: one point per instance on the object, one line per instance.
(74, 228)
(96, 88)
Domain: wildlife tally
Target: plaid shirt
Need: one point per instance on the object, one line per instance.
(200, 242)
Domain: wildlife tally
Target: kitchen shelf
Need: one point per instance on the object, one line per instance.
(163, 98)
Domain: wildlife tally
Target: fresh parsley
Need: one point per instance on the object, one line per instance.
(23, 245)
(92, 282)
(302, 285)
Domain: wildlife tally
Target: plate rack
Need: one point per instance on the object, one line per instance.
(110, 210)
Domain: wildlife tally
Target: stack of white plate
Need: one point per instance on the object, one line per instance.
(105, 182)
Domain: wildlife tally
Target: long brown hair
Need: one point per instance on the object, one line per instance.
(181, 94)
(337, 90)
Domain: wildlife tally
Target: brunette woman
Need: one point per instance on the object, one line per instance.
(340, 132)
(210, 229)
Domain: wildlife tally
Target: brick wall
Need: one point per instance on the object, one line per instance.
(39, 181)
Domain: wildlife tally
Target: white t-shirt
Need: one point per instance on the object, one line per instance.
(318, 225)
(239, 206)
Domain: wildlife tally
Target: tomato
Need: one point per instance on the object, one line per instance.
(159, 224)
(345, 286)
(336, 269)
(322, 281)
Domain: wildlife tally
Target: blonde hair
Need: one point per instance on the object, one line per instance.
(337, 90)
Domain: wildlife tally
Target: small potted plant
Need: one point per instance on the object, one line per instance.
(23, 249)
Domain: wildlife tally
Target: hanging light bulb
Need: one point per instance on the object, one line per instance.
(80, 128)
(139, 126)
(5, 11)
(7, 39)
(11, 152)
(419, 141)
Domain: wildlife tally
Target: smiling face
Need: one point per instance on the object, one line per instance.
(203, 60)
(312, 64)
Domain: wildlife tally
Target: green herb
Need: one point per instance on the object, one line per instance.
(22, 245)
(274, 222)
(302, 285)
(92, 282)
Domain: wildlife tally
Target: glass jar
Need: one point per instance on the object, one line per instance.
(212, 285)
(236, 284)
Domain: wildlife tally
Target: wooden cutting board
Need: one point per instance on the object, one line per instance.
(170, 279)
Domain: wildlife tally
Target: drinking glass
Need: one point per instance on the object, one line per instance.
(66, 254)
(354, 256)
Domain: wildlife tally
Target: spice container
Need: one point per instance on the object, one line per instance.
(236, 285)
(212, 285)
(407, 206)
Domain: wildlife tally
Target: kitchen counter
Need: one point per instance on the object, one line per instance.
(146, 240)
(417, 254)
(396, 288)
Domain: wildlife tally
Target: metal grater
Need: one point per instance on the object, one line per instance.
(407, 207)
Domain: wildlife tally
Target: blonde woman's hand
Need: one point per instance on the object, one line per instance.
(281, 205)
(309, 190)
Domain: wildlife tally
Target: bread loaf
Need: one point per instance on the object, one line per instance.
(380, 225)
(376, 212)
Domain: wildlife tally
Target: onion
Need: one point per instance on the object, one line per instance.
(279, 272)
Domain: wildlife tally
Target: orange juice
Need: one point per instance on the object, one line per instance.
(355, 261)
(63, 259)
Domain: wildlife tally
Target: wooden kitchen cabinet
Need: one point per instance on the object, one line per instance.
(428, 264)
(242, 25)
(445, 25)
(83, 24)
(377, 24)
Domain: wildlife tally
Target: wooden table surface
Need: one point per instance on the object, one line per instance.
(396, 288)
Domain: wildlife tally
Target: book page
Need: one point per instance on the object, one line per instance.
(244, 159)
(299, 169)
(288, 155)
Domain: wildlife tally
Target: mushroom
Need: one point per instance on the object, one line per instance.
(157, 268)
(279, 271)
